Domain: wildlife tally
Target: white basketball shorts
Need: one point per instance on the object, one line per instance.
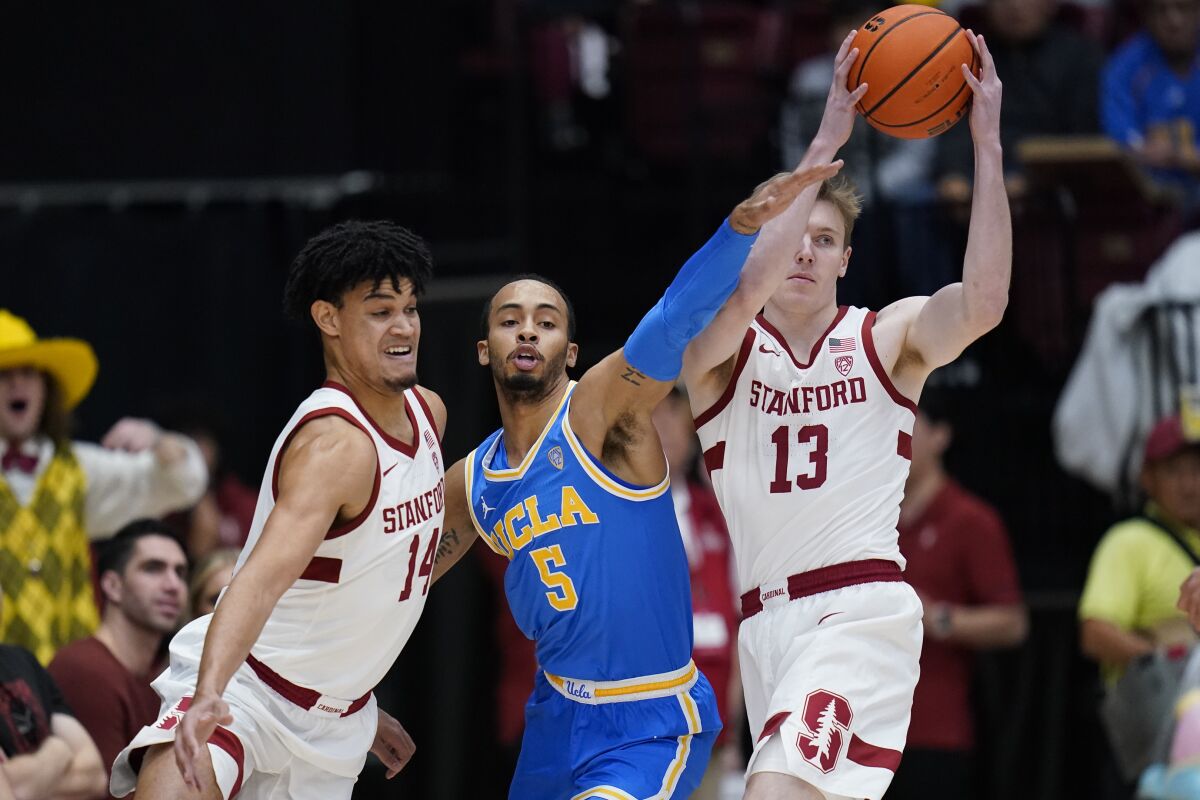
(829, 682)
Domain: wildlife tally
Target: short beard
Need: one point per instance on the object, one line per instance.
(400, 385)
(521, 387)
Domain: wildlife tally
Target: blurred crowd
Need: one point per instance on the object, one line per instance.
(107, 548)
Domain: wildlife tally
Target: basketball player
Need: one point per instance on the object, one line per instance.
(573, 491)
(805, 411)
(270, 696)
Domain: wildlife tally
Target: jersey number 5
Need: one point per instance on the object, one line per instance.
(819, 457)
(562, 595)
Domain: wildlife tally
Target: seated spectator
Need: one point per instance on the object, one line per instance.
(1128, 608)
(1050, 75)
(714, 621)
(1151, 93)
(212, 574)
(46, 752)
(56, 494)
(1128, 605)
(961, 564)
(106, 678)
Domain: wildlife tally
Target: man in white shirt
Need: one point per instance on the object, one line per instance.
(56, 495)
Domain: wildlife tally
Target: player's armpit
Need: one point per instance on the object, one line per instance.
(458, 531)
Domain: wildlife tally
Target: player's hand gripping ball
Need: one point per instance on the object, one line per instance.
(911, 57)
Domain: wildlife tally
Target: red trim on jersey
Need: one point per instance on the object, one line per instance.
(877, 365)
(299, 695)
(228, 741)
(870, 755)
(827, 579)
(428, 414)
(904, 445)
(321, 568)
(742, 357)
(347, 527)
(714, 457)
(410, 449)
(773, 724)
(816, 348)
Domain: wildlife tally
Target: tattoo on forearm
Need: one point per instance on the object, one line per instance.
(447, 545)
(633, 376)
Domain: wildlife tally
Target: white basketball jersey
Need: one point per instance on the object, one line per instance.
(338, 629)
(809, 457)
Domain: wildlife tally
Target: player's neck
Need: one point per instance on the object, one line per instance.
(525, 419)
(801, 327)
(919, 492)
(133, 645)
(386, 407)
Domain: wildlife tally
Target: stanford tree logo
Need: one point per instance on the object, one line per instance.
(827, 718)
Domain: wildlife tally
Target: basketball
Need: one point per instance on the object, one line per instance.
(910, 57)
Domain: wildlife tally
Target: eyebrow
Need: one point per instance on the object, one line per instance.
(518, 306)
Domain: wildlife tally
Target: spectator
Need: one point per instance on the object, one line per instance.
(1151, 92)
(1050, 75)
(46, 752)
(714, 623)
(212, 574)
(961, 564)
(1128, 608)
(1128, 605)
(106, 678)
(55, 494)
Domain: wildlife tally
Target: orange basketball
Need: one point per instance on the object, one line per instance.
(910, 57)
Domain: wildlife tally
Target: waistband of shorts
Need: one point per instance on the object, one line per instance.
(646, 687)
(824, 579)
(308, 699)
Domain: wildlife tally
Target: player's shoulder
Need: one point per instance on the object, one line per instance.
(435, 406)
(904, 310)
(333, 436)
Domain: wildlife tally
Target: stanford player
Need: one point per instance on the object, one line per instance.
(805, 411)
(270, 696)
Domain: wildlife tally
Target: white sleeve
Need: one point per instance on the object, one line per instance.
(125, 486)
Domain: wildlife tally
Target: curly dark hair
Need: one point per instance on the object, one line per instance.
(528, 276)
(349, 253)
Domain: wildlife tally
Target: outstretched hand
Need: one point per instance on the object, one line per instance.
(838, 120)
(985, 106)
(392, 745)
(198, 724)
(773, 196)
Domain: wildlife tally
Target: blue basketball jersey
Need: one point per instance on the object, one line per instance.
(597, 573)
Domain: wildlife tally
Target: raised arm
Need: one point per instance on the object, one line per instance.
(960, 313)
(327, 471)
(622, 390)
(770, 260)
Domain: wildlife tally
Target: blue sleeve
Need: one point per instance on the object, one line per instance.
(689, 304)
(1118, 109)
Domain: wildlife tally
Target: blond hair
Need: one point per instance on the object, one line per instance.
(210, 565)
(841, 194)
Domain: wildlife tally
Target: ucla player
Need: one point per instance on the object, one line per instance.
(805, 411)
(573, 492)
(270, 696)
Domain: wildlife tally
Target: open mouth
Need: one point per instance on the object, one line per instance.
(399, 351)
(525, 357)
(18, 406)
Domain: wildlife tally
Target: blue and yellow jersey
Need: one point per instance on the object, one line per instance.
(597, 574)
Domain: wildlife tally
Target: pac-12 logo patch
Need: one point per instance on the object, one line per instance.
(827, 718)
(844, 364)
(556, 457)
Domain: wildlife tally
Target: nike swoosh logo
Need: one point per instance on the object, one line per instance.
(762, 348)
(393, 466)
(827, 616)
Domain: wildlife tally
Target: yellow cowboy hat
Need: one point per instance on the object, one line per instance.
(71, 362)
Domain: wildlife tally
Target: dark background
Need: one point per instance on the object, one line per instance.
(161, 164)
